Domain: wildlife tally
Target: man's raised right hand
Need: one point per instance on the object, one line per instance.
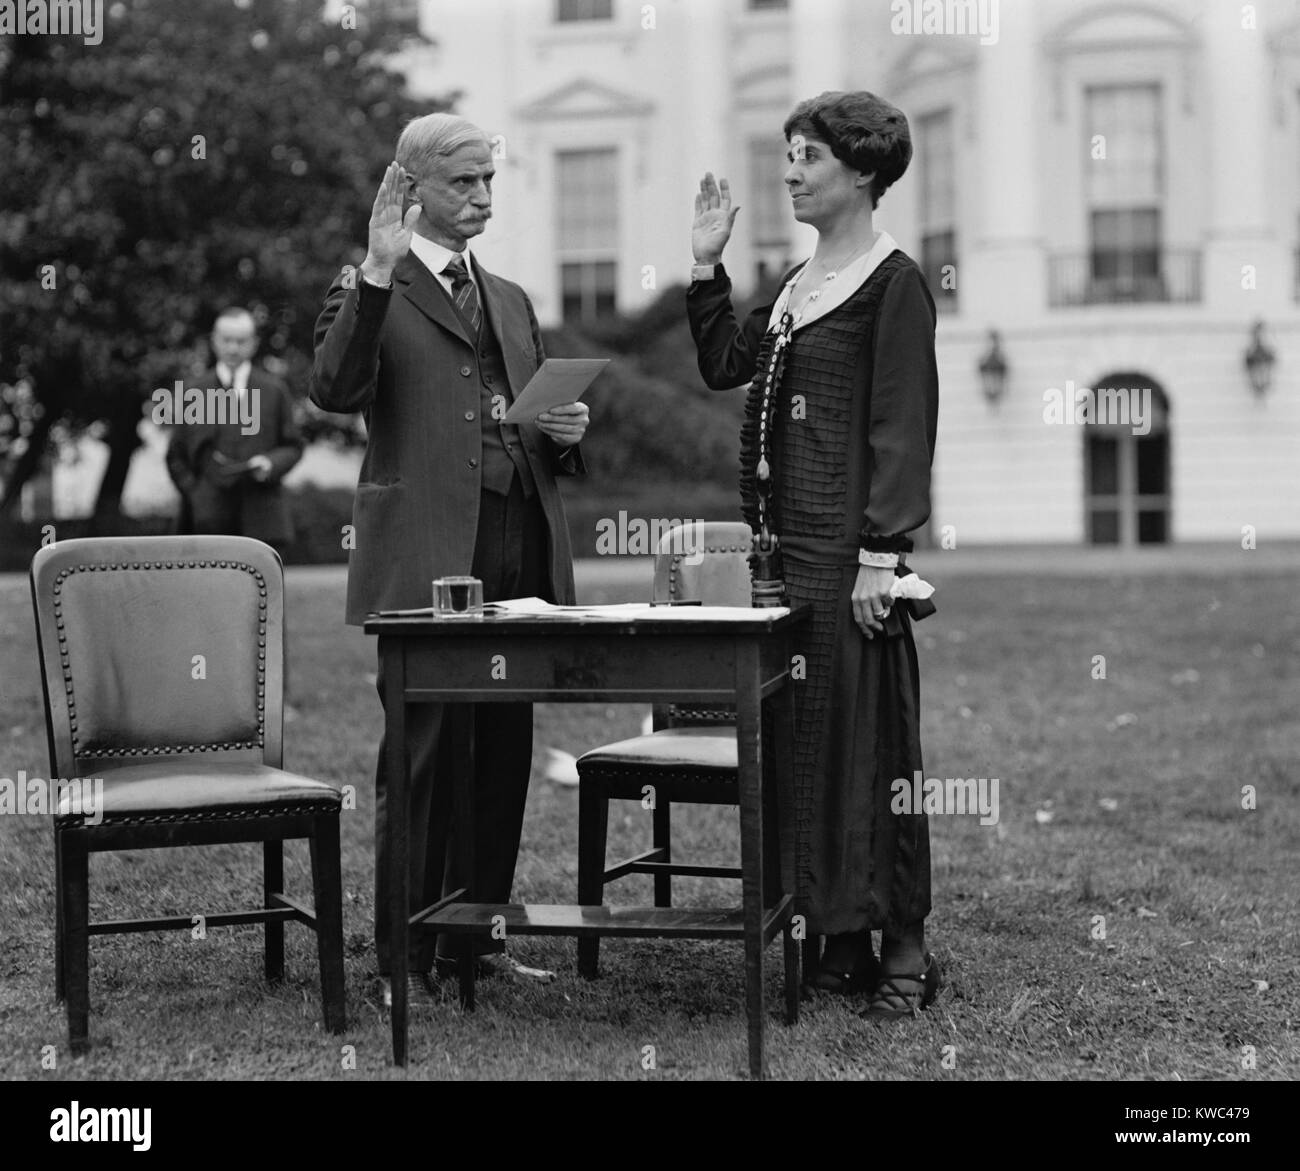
(390, 230)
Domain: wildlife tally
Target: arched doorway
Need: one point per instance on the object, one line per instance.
(1127, 491)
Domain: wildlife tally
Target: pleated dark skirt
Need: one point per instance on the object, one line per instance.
(857, 865)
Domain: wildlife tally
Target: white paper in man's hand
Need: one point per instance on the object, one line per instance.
(557, 381)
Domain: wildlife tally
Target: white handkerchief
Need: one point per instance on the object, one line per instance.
(910, 586)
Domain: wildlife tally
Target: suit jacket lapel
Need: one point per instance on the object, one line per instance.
(422, 289)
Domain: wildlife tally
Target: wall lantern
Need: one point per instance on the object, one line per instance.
(993, 369)
(1260, 360)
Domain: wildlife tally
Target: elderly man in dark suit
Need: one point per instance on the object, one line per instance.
(432, 347)
(228, 469)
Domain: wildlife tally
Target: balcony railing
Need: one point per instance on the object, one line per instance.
(1175, 277)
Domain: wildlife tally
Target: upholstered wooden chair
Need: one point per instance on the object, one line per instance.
(162, 664)
(690, 756)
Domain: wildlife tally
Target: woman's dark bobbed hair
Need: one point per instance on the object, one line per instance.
(863, 131)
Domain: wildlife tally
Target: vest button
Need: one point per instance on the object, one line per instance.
(469, 416)
(465, 371)
(472, 463)
(482, 353)
(488, 379)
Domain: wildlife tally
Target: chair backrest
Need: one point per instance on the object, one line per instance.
(157, 647)
(706, 562)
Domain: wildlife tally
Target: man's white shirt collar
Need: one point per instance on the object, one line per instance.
(832, 294)
(238, 377)
(434, 256)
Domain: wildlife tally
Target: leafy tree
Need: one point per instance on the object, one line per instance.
(206, 153)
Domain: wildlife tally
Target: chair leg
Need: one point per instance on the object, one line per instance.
(593, 833)
(791, 946)
(60, 979)
(663, 837)
(328, 883)
(273, 884)
(465, 961)
(75, 897)
(811, 955)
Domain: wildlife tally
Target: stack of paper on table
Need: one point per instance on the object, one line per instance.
(630, 611)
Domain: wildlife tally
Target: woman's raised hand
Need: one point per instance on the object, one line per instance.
(714, 216)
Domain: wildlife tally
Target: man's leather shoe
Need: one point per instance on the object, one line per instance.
(488, 967)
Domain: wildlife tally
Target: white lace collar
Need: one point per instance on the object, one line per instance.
(837, 289)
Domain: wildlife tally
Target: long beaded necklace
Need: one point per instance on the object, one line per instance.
(771, 381)
(768, 584)
(775, 366)
(767, 576)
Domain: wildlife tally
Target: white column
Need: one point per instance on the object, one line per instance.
(1001, 272)
(705, 127)
(1237, 112)
(700, 121)
(819, 44)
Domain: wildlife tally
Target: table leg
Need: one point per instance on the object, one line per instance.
(396, 831)
(749, 761)
(779, 789)
(458, 724)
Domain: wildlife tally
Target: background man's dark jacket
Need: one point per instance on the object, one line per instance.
(213, 501)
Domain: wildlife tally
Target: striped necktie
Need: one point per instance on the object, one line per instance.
(463, 291)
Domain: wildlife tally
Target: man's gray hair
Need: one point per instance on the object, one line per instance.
(432, 136)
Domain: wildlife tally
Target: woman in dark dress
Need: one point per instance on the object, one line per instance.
(836, 450)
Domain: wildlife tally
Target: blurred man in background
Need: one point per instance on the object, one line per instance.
(227, 468)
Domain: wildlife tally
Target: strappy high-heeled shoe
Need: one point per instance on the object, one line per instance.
(889, 1001)
(862, 977)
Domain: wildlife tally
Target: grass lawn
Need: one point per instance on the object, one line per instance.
(1119, 798)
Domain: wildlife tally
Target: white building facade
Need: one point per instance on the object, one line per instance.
(1112, 187)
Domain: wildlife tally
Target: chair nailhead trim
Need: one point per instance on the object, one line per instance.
(701, 715)
(674, 566)
(57, 591)
(597, 770)
(72, 821)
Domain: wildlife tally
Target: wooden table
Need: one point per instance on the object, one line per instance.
(595, 655)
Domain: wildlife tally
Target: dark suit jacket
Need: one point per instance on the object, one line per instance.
(213, 502)
(405, 360)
